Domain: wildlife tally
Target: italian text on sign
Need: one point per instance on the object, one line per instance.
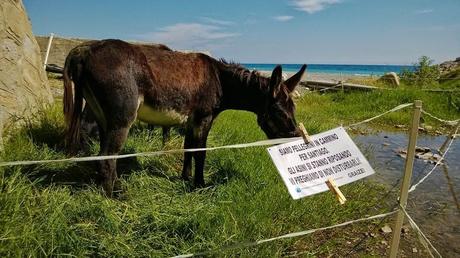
(305, 167)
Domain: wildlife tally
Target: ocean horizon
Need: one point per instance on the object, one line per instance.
(347, 69)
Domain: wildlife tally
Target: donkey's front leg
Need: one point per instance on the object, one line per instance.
(200, 134)
(188, 143)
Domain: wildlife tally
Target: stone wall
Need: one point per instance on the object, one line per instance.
(23, 81)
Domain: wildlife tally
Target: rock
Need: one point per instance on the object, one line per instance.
(400, 126)
(383, 242)
(428, 127)
(405, 229)
(386, 229)
(390, 78)
(448, 66)
(422, 149)
(414, 250)
(23, 81)
(385, 144)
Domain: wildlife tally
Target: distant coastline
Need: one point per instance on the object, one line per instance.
(336, 69)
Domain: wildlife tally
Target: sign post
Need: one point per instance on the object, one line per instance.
(48, 48)
(407, 177)
(305, 167)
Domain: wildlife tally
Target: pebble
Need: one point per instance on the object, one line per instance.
(386, 229)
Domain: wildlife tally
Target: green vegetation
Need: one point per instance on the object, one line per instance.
(55, 209)
(425, 75)
(451, 79)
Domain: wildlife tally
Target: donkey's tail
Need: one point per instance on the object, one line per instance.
(72, 104)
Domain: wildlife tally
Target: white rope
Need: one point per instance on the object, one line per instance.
(448, 122)
(426, 242)
(384, 113)
(155, 153)
(290, 235)
(436, 165)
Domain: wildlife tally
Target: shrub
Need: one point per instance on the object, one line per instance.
(425, 74)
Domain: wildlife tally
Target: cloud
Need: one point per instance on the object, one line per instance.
(313, 6)
(190, 35)
(424, 11)
(283, 18)
(216, 21)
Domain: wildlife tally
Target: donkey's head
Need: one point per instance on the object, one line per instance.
(277, 118)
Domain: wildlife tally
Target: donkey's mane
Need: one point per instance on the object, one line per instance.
(251, 78)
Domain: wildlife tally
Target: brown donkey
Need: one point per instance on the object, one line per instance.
(121, 82)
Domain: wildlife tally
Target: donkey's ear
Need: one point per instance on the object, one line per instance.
(275, 80)
(295, 79)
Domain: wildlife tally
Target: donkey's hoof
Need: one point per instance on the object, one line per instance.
(199, 183)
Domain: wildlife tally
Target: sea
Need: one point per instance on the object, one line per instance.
(348, 69)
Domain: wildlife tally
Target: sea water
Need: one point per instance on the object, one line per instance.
(349, 69)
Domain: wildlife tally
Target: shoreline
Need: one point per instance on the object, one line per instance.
(336, 77)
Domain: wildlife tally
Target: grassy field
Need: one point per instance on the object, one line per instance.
(55, 209)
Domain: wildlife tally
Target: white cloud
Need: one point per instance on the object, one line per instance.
(283, 18)
(217, 21)
(313, 6)
(190, 35)
(424, 11)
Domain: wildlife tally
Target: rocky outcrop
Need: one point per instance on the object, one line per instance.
(23, 81)
(390, 78)
(449, 66)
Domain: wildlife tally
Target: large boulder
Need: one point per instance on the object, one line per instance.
(390, 78)
(23, 81)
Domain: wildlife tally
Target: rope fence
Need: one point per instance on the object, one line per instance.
(286, 236)
(413, 187)
(423, 237)
(447, 122)
(425, 241)
(156, 153)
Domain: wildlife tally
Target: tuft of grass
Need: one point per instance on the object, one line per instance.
(56, 209)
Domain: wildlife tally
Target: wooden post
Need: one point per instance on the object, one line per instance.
(407, 177)
(306, 137)
(336, 191)
(48, 48)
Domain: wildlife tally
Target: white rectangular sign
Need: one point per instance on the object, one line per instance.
(306, 167)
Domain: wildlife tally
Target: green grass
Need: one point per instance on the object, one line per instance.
(56, 209)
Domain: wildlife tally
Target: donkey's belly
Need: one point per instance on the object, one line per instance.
(164, 117)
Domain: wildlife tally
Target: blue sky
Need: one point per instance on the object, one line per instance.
(267, 31)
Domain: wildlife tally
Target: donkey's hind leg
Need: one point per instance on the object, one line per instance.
(111, 143)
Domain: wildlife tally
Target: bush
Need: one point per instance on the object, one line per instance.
(426, 74)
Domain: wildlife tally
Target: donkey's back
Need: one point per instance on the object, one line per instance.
(121, 82)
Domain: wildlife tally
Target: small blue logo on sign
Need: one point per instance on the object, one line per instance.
(298, 189)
